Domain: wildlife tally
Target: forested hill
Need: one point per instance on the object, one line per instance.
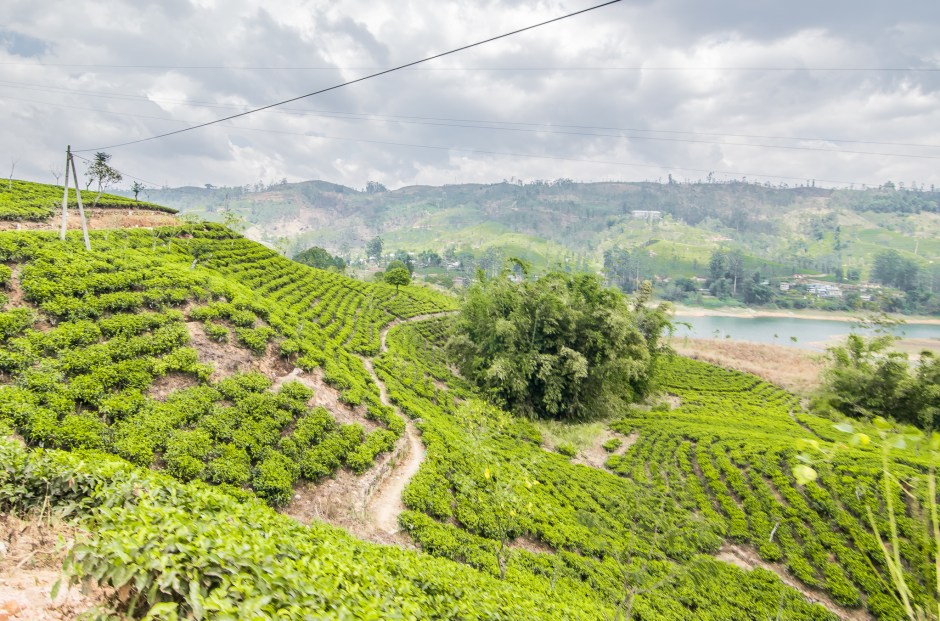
(798, 228)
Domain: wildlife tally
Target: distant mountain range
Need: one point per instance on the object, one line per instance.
(679, 225)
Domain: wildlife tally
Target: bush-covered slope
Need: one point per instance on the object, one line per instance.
(187, 551)
(86, 340)
(713, 474)
(87, 334)
(26, 200)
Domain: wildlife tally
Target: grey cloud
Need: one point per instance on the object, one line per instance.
(880, 106)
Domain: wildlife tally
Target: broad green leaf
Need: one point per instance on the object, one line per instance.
(881, 423)
(804, 474)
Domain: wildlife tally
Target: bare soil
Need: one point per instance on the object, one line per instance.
(14, 290)
(673, 401)
(31, 556)
(161, 387)
(747, 558)
(367, 506)
(596, 456)
(229, 358)
(385, 503)
(794, 369)
(530, 544)
(98, 218)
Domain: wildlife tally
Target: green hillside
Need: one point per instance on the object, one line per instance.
(25, 200)
(781, 231)
(169, 391)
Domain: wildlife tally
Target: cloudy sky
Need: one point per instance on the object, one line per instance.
(841, 92)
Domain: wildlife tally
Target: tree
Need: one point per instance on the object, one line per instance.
(374, 248)
(562, 346)
(321, 259)
(405, 259)
(891, 388)
(374, 187)
(890, 268)
(429, 258)
(397, 276)
(735, 269)
(13, 163)
(137, 187)
(100, 172)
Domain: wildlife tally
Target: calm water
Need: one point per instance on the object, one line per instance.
(809, 333)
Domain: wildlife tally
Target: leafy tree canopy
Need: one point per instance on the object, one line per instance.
(320, 258)
(562, 346)
(374, 247)
(866, 379)
(398, 276)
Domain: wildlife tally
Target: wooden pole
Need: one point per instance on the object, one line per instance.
(81, 210)
(65, 191)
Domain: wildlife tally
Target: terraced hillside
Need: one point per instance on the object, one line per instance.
(113, 350)
(26, 200)
(175, 386)
(711, 477)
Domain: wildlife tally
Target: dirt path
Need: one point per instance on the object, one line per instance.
(746, 558)
(383, 502)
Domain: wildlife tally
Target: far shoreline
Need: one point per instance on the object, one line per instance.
(756, 313)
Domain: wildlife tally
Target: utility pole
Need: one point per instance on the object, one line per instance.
(70, 163)
(65, 192)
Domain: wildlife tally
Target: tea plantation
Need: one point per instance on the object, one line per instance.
(175, 469)
(714, 472)
(25, 200)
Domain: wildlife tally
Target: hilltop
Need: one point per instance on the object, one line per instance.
(781, 230)
(198, 408)
(28, 205)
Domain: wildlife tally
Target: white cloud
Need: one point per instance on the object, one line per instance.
(338, 40)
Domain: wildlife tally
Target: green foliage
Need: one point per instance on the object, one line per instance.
(215, 331)
(612, 445)
(321, 259)
(891, 388)
(718, 467)
(397, 276)
(13, 322)
(567, 449)
(188, 551)
(890, 268)
(274, 478)
(562, 346)
(116, 326)
(36, 201)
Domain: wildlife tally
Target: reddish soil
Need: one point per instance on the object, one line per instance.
(161, 387)
(530, 544)
(229, 358)
(98, 218)
(31, 556)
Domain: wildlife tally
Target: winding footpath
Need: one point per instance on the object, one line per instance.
(384, 504)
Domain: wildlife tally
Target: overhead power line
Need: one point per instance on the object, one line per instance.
(367, 116)
(554, 68)
(362, 79)
(544, 129)
(123, 174)
(665, 168)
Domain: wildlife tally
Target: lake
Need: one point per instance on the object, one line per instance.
(809, 333)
